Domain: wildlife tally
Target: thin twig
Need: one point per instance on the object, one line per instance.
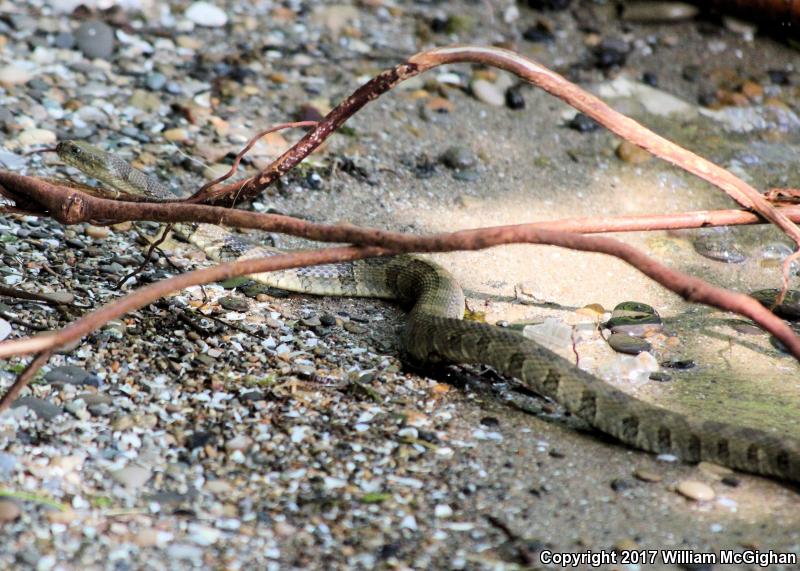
(24, 378)
(690, 288)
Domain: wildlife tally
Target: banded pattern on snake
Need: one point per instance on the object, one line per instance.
(434, 331)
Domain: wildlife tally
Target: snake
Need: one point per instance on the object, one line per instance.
(435, 332)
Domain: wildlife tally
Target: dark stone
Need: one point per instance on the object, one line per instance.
(314, 181)
(634, 318)
(583, 123)
(538, 34)
(458, 157)
(490, 421)
(64, 40)
(198, 439)
(621, 484)
(650, 78)
(690, 73)
(233, 304)
(788, 309)
(622, 343)
(71, 375)
(611, 52)
(327, 320)
(660, 377)
(514, 98)
(779, 77)
(95, 39)
(552, 5)
(42, 408)
(680, 365)
(731, 481)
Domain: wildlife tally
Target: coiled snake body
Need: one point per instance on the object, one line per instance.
(435, 331)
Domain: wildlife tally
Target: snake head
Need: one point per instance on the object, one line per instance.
(82, 156)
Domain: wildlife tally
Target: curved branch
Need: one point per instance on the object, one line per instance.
(690, 288)
(540, 76)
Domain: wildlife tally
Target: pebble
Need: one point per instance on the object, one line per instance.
(514, 98)
(233, 304)
(327, 320)
(583, 123)
(660, 377)
(647, 475)
(177, 135)
(15, 75)
(488, 93)
(695, 490)
(71, 375)
(788, 309)
(5, 329)
(42, 408)
(206, 14)
(611, 52)
(30, 137)
(538, 33)
(9, 511)
(95, 39)
(634, 318)
(633, 154)
(745, 327)
(655, 12)
(64, 41)
(155, 81)
(457, 157)
(624, 343)
(131, 476)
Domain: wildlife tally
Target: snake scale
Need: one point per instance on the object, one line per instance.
(434, 331)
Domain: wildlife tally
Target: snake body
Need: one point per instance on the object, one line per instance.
(434, 331)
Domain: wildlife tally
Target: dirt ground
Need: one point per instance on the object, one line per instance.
(539, 480)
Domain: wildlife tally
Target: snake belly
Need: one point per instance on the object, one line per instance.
(434, 331)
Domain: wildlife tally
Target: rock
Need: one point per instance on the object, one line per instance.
(203, 534)
(745, 327)
(583, 123)
(788, 309)
(155, 81)
(5, 329)
(660, 377)
(647, 475)
(131, 476)
(177, 135)
(206, 14)
(694, 490)
(655, 12)
(487, 92)
(634, 318)
(327, 320)
(552, 5)
(679, 364)
(239, 442)
(514, 99)
(64, 41)
(539, 33)
(30, 137)
(624, 343)
(145, 100)
(633, 154)
(95, 39)
(42, 408)
(9, 511)
(15, 75)
(71, 375)
(611, 52)
(458, 157)
(233, 304)
(719, 246)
